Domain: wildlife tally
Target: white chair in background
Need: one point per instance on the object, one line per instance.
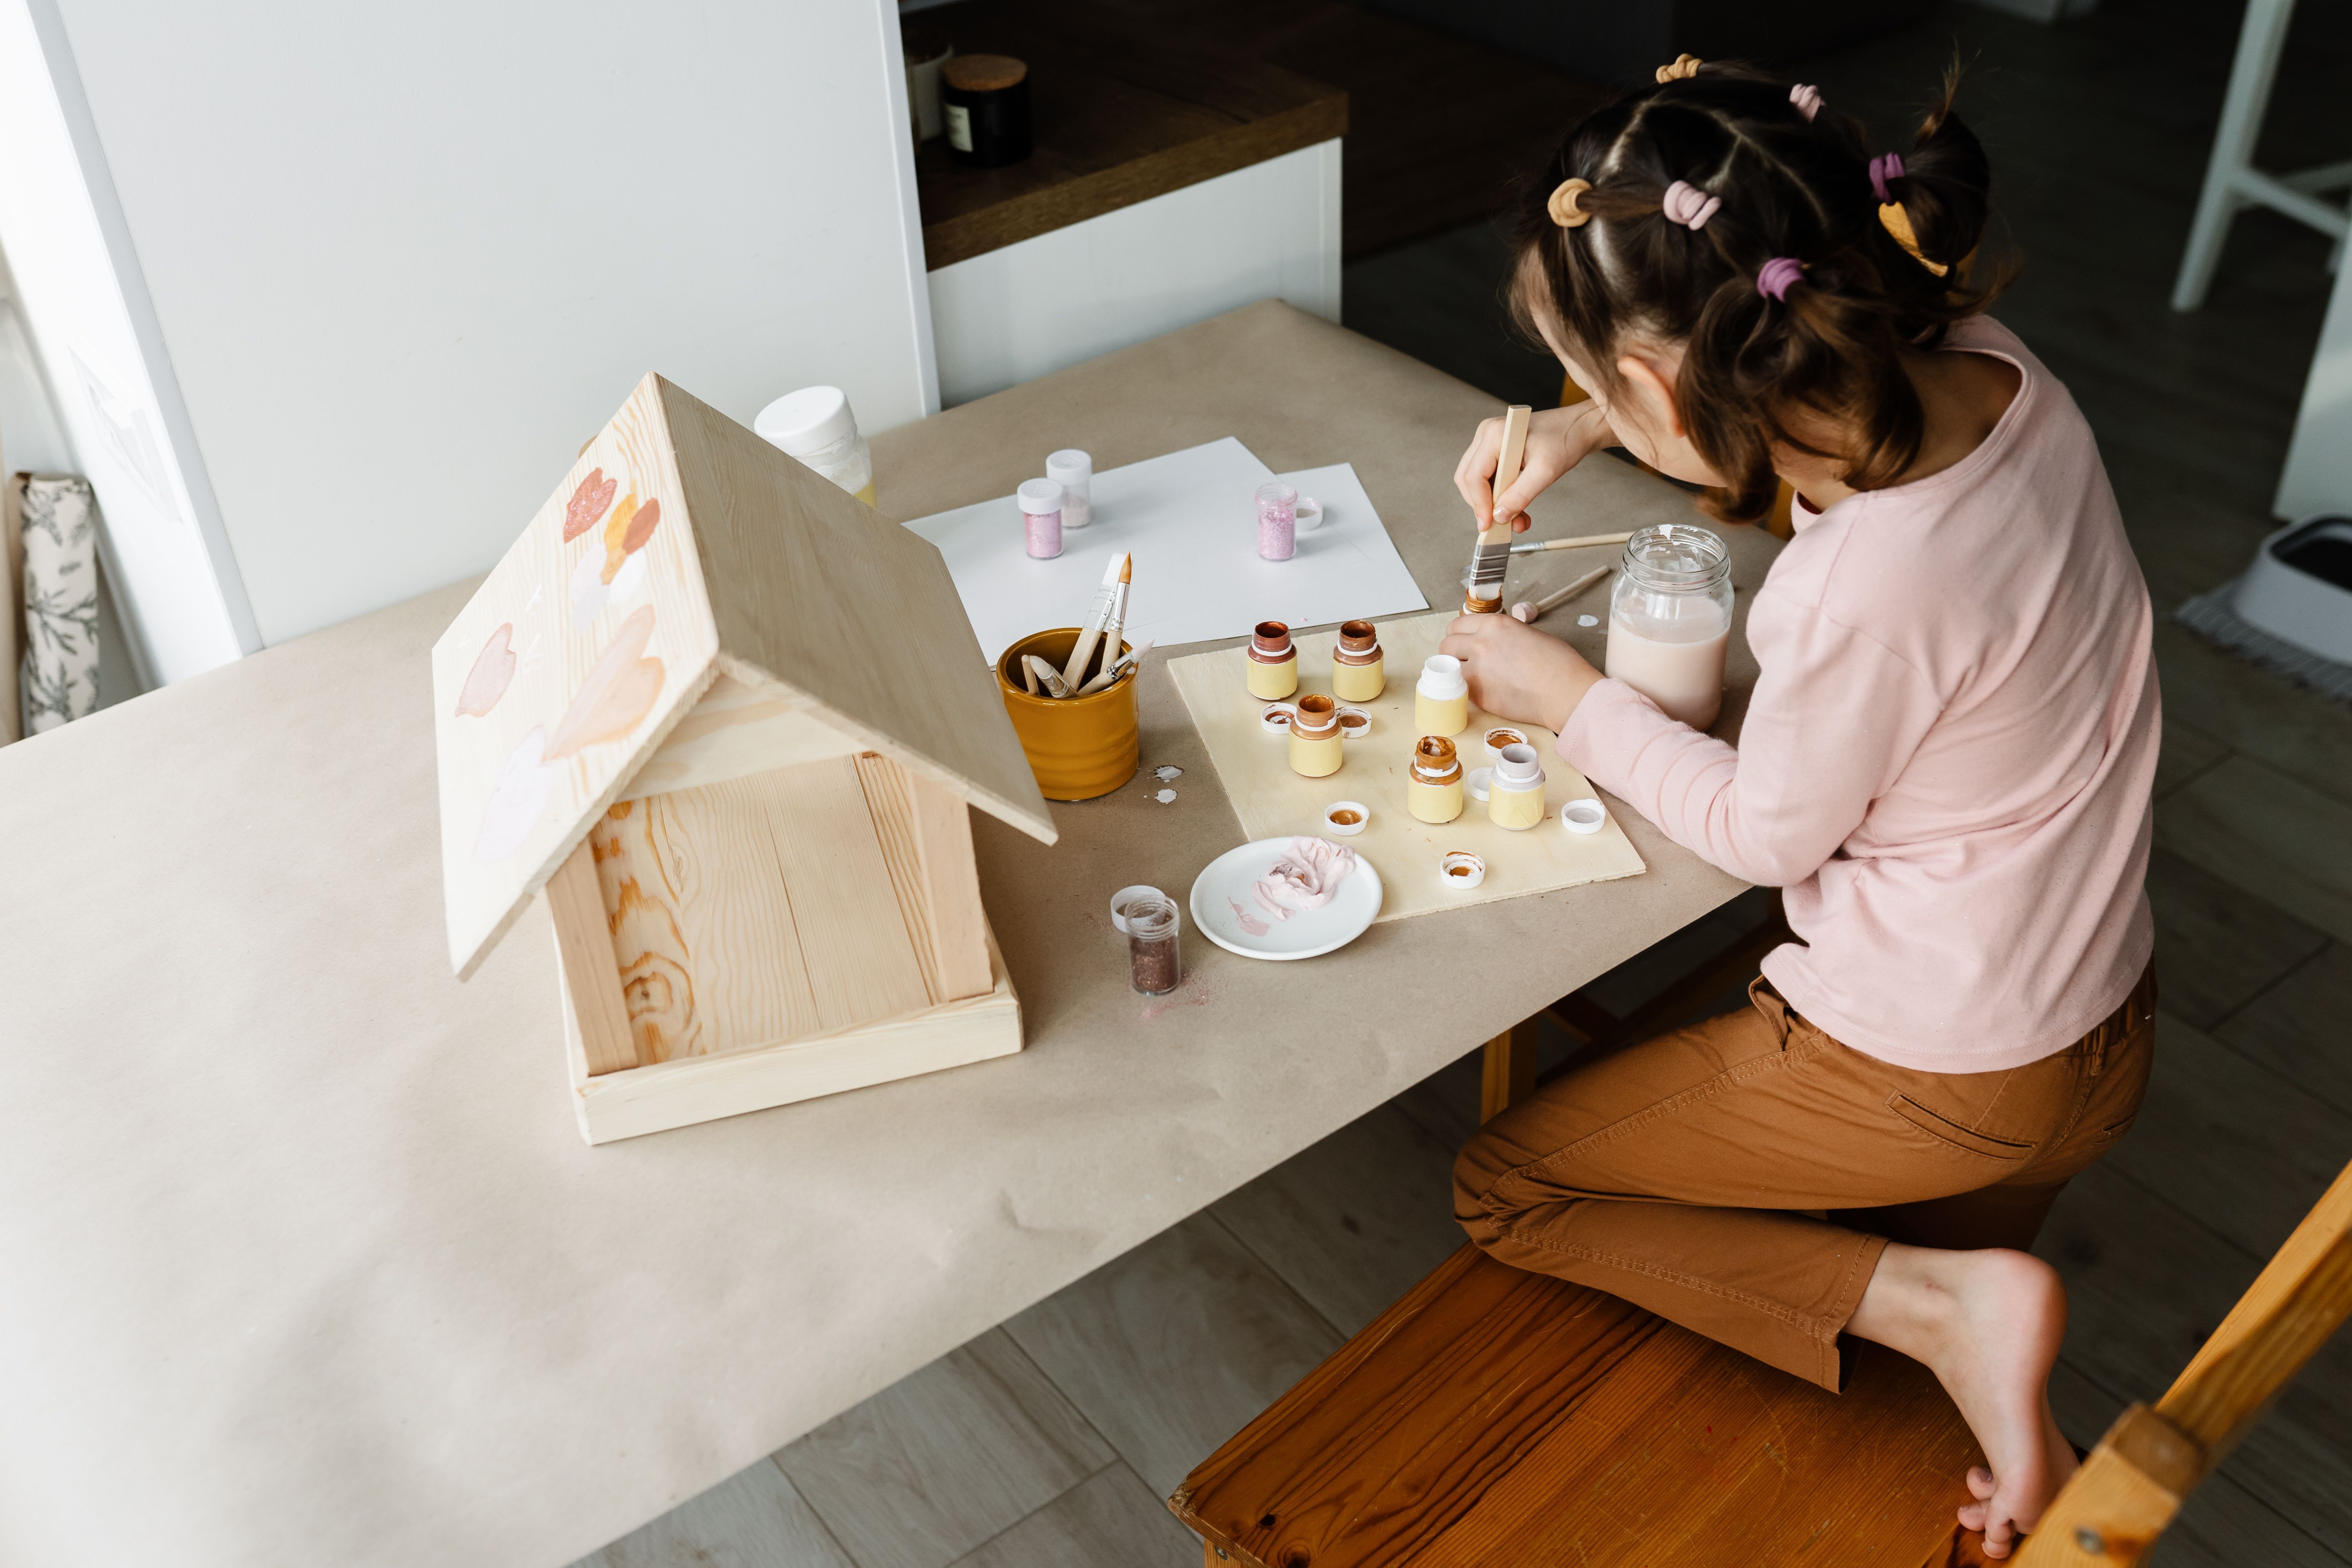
(2230, 179)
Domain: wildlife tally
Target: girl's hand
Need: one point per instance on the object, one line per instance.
(1558, 439)
(1517, 672)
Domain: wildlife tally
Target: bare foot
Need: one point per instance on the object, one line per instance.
(1989, 1325)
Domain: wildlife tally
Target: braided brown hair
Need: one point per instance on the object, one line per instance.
(1791, 187)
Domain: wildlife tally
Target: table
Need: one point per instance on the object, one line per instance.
(303, 1259)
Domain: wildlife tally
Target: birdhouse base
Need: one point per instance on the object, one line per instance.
(729, 946)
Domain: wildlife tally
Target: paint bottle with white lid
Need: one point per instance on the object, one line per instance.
(1074, 471)
(1441, 699)
(815, 424)
(1515, 794)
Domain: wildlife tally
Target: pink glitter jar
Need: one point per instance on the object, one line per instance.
(1041, 509)
(1278, 521)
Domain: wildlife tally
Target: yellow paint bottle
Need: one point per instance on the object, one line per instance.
(1515, 794)
(1315, 737)
(1433, 792)
(1273, 663)
(1357, 672)
(1441, 699)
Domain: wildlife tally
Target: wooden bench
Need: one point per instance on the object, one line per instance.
(1493, 1416)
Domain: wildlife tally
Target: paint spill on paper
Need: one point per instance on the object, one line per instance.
(1166, 798)
(1588, 620)
(1168, 772)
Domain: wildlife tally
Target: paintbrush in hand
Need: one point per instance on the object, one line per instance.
(1493, 557)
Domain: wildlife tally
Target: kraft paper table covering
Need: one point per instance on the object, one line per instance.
(303, 1259)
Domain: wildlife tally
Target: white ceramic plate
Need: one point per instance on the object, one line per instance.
(1226, 881)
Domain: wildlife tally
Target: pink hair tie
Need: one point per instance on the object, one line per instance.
(1807, 100)
(1688, 206)
(1773, 279)
(1884, 167)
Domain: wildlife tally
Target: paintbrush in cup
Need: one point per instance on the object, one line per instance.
(1115, 634)
(1097, 620)
(1142, 646)
(1047, 676)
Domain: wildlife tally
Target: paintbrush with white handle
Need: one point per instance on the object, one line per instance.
(1525, 614)
(1131, 656)
(1492, 558)
(1097, 619)
(1047, 676)
(1577, 544)
(1115, 634)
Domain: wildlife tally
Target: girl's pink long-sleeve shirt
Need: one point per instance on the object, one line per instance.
(1948, 756)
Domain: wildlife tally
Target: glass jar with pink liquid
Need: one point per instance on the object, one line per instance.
(1670, 620)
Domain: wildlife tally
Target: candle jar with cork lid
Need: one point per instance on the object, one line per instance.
(1433, 791)
(985, 98)
(1273, 662)
(1315, 737)
(1358, 672)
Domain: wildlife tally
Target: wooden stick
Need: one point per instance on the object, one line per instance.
(1576, 543)
(1525, 614)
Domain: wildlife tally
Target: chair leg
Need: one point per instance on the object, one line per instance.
(1507, 1071)
(2259, 44)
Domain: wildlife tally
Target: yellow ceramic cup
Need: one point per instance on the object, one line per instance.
(1080, 747)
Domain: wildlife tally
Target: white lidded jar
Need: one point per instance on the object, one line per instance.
(1074, 471)
(816, 426)
(1670, 620)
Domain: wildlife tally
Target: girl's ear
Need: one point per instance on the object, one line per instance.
(1652, 384)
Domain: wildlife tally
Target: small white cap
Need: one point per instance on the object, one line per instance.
(1277, 718)
(1347, 829)
(1070, 468)
(1040, 496)
(808, 421)
(1460, 869)
(1500, 736)
(1307, 512)
(1362, 728)
(1586, 816)
(1125, 896)
(1442, 679)
(1480, 783)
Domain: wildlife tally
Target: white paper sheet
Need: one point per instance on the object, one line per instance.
(1190, 519)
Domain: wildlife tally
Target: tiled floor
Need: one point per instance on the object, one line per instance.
(1050, 1441)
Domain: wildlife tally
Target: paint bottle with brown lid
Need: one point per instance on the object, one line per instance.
(1315, 737)
(1433, 792)
(1359, 671)
(986, 101)
(1273, 662)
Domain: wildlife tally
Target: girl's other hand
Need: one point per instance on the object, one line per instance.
(1558, 439)
(1517, 672)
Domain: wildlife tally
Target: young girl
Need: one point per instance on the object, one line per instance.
(1946, 762)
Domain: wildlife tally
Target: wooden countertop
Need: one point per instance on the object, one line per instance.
(1124, 109)
(303, 1260)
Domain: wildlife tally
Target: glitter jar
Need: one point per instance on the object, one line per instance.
(1433, 792)
(1278, 521)
(1273, 662)
(1074, 471)
(1315, 737)
(1441, 699)
(1041, 511)
(1155, 965)
(1514, 795)
(1357, 672)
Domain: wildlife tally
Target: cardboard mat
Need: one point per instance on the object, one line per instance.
(1272, 800)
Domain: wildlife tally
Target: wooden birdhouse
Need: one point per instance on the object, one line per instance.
(729, 719)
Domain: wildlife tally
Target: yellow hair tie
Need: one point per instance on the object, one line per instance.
(1684, 65)
(1898, 222)
(1562, 205)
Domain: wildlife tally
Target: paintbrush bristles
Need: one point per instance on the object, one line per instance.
(1115, 574)
(1492, 560)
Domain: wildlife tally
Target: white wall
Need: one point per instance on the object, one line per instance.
(77, 283)
(1271, 230)
(405, 259)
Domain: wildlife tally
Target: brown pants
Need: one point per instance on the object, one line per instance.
(1677, 1174)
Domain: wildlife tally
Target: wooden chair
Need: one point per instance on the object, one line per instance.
(1499, 1417)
